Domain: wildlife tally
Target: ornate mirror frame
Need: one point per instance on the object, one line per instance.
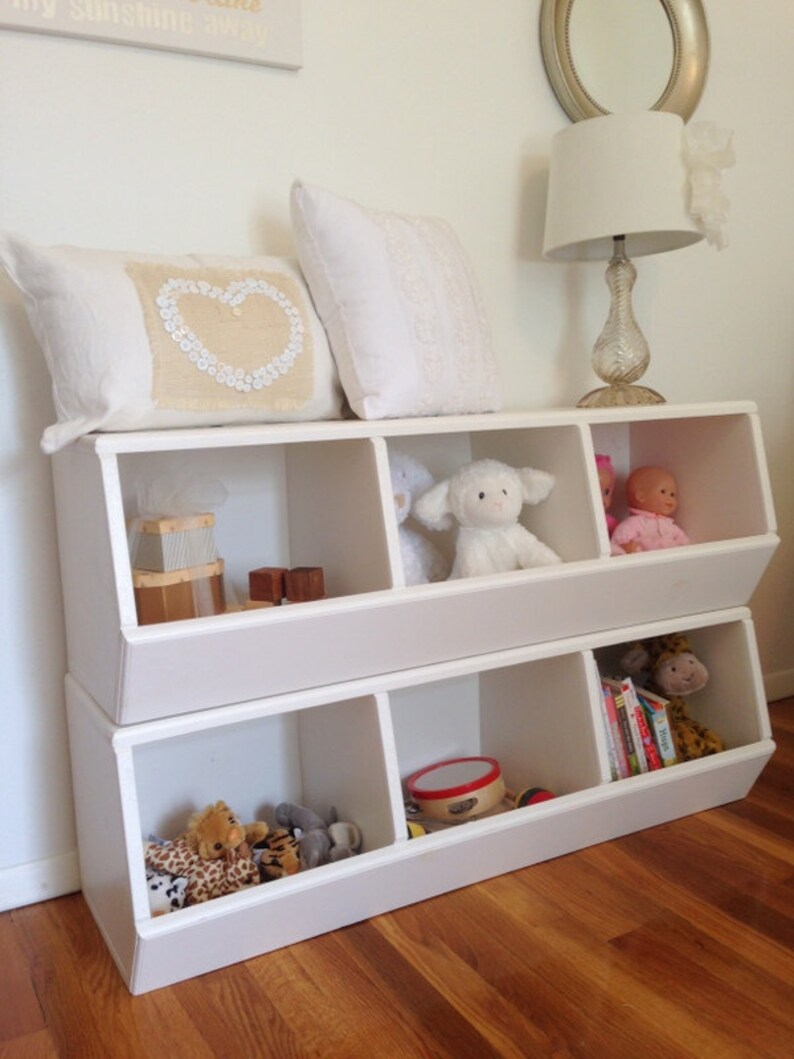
(687, 77)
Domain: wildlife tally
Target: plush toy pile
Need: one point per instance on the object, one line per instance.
(218, 855)
(213, 855)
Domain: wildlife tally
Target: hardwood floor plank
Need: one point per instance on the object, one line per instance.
(696, 972)
(324, 975)
(449, 961)
(430, 1012)
(85, 1004)
(235, 1016)
(38, 1045)
(756, 826)
(693, 863)
(20, 1014)
(761, 953)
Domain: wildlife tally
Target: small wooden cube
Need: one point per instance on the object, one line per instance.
(304, 583)
(267, 584)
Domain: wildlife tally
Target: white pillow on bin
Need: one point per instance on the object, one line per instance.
(137, 341)
(401, 307)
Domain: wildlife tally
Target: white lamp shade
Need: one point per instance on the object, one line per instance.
(621, 174)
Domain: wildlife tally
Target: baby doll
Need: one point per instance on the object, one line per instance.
(606, 477)
(651, 495)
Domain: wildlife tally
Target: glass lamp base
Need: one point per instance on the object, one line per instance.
(621, 354)
(619, 395)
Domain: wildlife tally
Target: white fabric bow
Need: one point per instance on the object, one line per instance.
(707, 151)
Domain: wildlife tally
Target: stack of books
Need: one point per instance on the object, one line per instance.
(639, 735)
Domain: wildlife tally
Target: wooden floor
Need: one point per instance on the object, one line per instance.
(678, 941)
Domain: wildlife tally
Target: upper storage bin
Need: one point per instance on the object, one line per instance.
(717, 462)
(320, 495)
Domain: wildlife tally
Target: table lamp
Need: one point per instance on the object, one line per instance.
(619, 189)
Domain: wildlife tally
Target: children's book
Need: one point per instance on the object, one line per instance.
(632, 705)
(655, 708)
(625, 727)
(615, 739)
(641, 731)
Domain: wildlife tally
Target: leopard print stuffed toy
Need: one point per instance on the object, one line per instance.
(673, 670)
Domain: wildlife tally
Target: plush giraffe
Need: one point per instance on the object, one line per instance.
(673, 669)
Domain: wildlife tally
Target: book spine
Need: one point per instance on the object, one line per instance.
(651, 752)
(608, 699)
(612, 755)
(656, 713)
(625, 731)
(632, 705)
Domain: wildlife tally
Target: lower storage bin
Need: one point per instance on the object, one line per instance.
(352, 747)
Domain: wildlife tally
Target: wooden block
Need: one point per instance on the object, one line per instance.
(175, 595)
(304, 583)
(257, 604)
(267, 583)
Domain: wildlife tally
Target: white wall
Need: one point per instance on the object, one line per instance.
(435, 107)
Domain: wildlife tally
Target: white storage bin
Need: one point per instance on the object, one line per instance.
(732, 703)
(320, 495)
(717, 461)
(535, 718)
(534, 708)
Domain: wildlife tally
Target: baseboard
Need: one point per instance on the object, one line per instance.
(25, 884)
(779, 685)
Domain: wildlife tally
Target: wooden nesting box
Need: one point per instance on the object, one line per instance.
(174, 543)
(194, 592)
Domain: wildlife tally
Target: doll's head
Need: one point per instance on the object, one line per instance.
(606, 478)
(652, 489)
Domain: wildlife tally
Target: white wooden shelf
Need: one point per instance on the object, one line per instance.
(319, 495)
(336, 702)
(534, 708)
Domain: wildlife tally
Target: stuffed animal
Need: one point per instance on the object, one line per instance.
(320, 842)
(216, 830)
(213, 854)
(278, 854)
(166, 891)
(671, 668)
(422, 560)
(485, 498)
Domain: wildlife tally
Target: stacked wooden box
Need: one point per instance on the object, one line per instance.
(176, 572)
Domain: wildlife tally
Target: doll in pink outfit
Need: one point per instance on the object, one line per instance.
(652, 499)
(606, 478)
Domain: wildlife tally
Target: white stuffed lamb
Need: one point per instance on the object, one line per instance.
(422, 560)
(486, 498)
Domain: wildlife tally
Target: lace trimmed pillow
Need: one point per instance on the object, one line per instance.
(136, 342)
(401, 307)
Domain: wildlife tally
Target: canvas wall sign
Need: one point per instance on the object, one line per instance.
(254, 31)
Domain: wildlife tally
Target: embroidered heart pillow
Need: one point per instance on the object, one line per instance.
(136, 342)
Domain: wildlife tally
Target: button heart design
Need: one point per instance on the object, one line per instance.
(233, 296)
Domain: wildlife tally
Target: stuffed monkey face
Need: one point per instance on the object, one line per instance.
(681, 674)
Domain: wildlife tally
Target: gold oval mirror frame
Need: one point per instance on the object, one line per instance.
(684, 87)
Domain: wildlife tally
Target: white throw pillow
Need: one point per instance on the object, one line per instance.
(400, 305)
(137, 342)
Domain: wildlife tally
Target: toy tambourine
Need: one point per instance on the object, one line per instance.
(457, 789)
